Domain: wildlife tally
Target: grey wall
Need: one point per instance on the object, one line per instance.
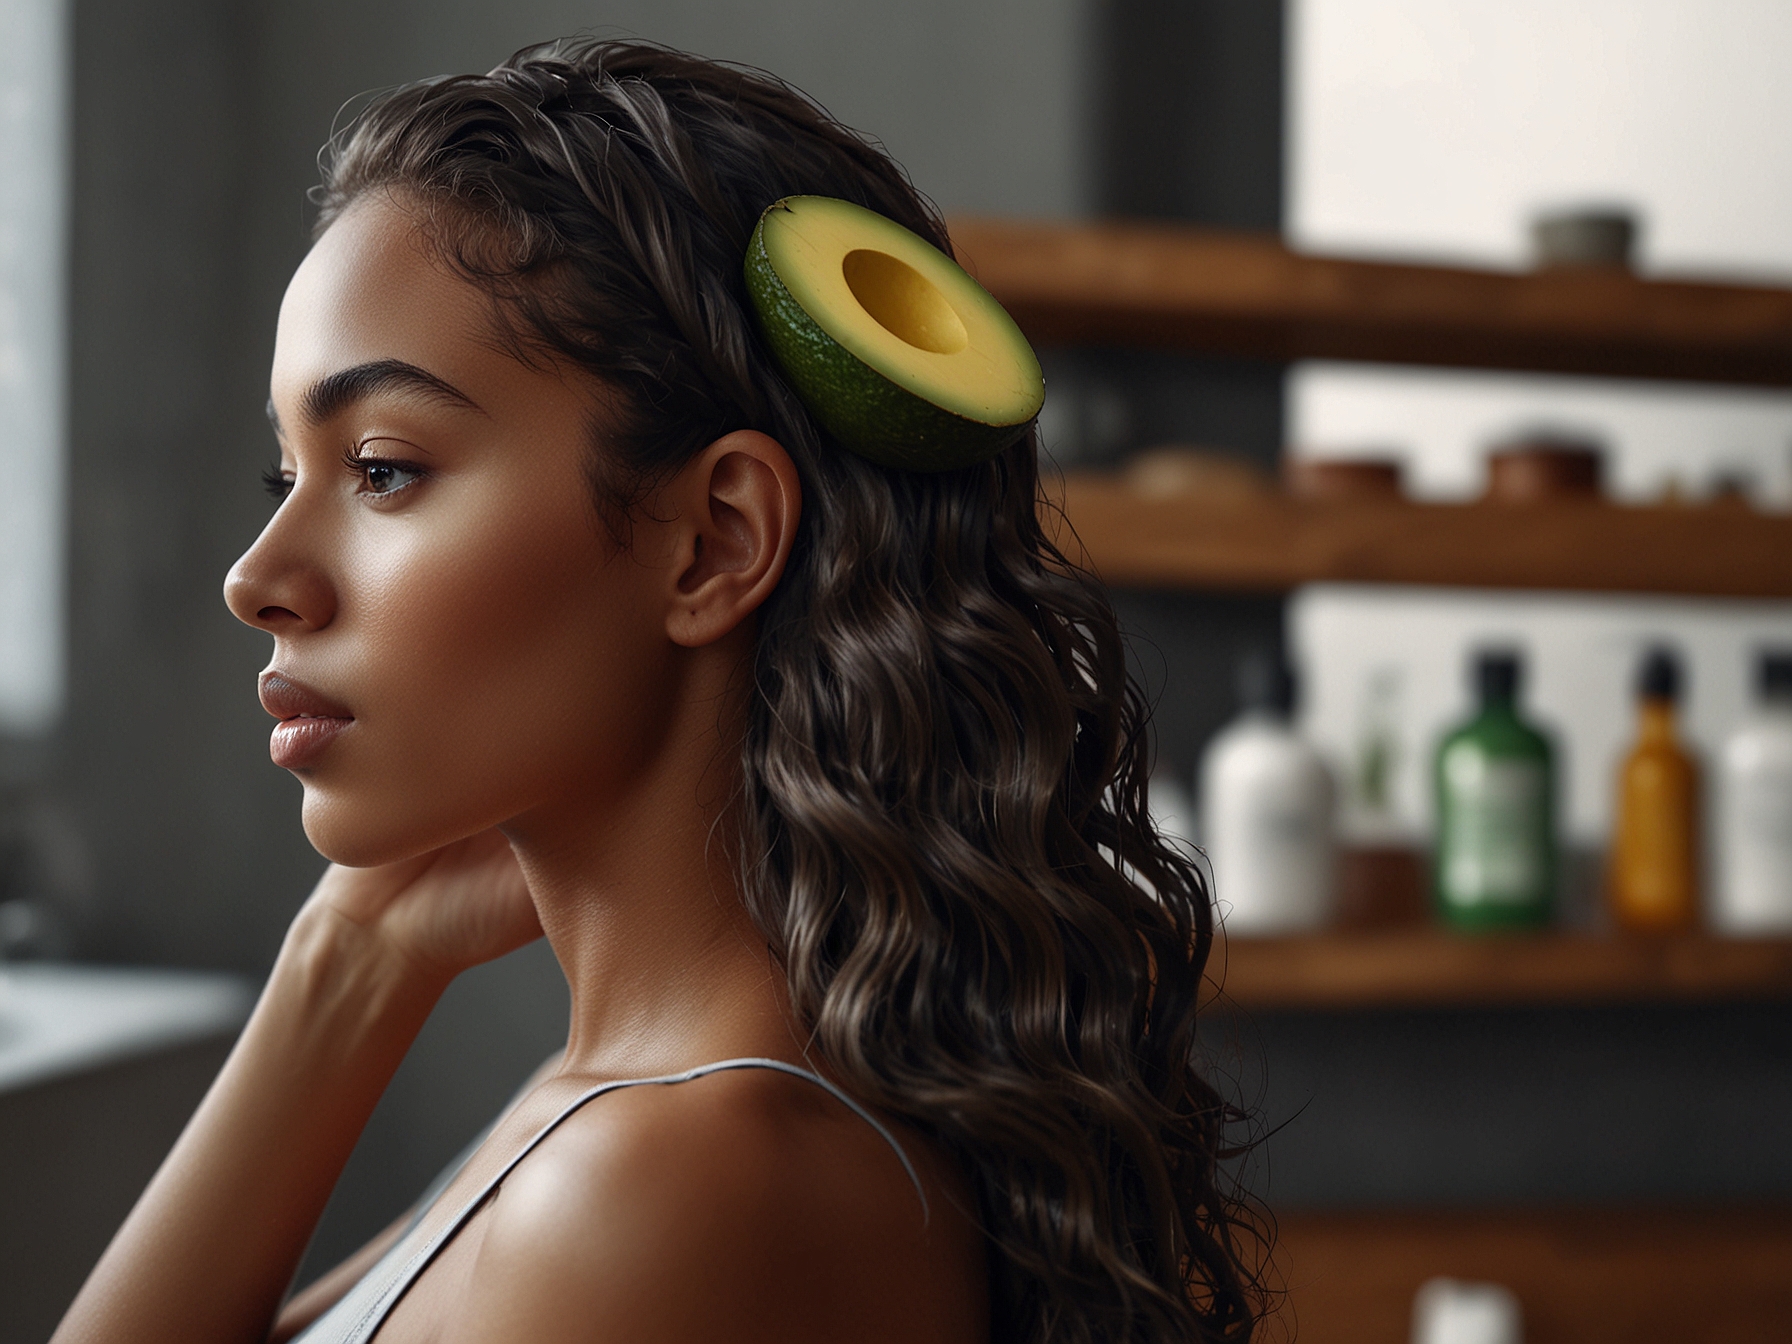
(197, 124)
(1184, 123)
(190, 849)
(1659, 1105)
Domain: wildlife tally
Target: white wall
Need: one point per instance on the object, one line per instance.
(1660, 436)
(1435, 128)
(32, 184)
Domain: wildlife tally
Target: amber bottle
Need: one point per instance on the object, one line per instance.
(1654, 886)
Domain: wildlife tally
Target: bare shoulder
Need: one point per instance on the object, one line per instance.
(745, 1204)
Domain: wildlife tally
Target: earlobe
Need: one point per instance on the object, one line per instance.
(741, 502)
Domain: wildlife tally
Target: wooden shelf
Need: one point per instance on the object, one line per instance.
(1270, 542)
(1248, 294)
(1434, 968)
(1624, 1276)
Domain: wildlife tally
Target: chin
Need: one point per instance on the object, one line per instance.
(365, 834)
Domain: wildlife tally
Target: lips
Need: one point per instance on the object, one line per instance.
(309, 721)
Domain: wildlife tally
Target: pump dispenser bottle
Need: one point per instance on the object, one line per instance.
(1754, 811)
(1653, 886)
(1495, 789)
(1266, 812)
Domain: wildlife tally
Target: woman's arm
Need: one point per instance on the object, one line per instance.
(211, 1247)
(327, 1289)
(322, 1293)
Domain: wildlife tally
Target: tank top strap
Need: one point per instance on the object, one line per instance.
(360, 1312)
(839, 1095)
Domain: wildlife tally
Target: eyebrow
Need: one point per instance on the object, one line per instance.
(334, 393)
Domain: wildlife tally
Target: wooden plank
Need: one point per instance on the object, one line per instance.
(1629, 1276)
(1248, 294)
(1273, 543)
(1427, 967)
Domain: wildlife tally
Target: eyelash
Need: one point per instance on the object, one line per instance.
(279, 486)
(360, 465)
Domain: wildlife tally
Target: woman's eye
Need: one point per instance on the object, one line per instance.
(381, 476)
(276, 483)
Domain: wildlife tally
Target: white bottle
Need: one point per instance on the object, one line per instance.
(1266, 814)
(1754, 811)
(1448, 1311)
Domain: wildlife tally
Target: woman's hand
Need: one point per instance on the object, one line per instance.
(445, 911)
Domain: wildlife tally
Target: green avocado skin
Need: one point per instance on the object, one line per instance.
(855, 403)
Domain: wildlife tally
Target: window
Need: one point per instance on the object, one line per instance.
(33, 156)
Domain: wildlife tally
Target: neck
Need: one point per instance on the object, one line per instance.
(636, 889)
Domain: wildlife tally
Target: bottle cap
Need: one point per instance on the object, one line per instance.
(1266, 682)
(1658, 678)
(1497, 674)
(1776, 674)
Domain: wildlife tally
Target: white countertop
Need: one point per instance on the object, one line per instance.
(60, 1019)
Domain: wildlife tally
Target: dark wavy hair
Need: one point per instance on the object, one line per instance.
(941, 824)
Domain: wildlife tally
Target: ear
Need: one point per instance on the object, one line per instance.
(738, 503)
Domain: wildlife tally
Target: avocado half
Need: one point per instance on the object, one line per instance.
(898, 353)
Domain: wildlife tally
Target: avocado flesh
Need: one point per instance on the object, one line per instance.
(897, 352)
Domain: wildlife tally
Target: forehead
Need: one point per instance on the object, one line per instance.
(372, 289)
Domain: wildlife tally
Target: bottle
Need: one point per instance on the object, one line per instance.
(1495, 864)
(1381, 878)
(1266, 812)
(1754, 812)
(1653, 878)
(1450, 1311)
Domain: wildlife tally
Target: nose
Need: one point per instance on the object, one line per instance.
(277, 585)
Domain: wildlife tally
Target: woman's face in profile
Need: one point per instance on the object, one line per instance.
(457, 641)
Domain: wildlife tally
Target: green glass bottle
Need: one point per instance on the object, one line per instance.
(1496, 832)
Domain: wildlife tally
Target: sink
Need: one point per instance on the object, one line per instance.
(58, 1019)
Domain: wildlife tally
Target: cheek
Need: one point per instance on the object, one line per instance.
(507, 659)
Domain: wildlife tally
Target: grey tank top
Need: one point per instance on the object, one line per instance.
(360, 1312)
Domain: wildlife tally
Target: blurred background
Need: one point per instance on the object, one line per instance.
(1319, 202)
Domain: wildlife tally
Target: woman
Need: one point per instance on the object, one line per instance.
(825, 773)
